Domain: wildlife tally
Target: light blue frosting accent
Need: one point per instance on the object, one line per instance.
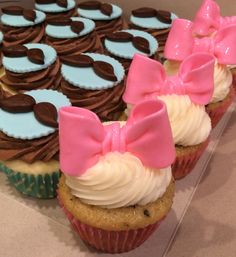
(20, 21)
(23, 64)
(98, 15)
(151, 23)
(1, 37)
(25, 125)
(85, 77)
(55, 8)
(66, 32)
(126, 49)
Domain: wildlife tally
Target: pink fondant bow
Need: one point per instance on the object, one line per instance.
(181, 43)
(147, 79)
(209, 20)
(84, 139)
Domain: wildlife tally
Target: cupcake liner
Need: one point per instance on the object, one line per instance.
(187, 159)
(110, 241)
(217, 111)
(38, 186)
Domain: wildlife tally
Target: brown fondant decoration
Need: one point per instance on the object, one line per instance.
(13, 10)
(77, 26)
(80, 60)
(104, 70)
(120, 36)
(62, 3)
(29, 14)
(45, 1)
(46, 113)
(164, 16)
(106, 9)
(141, 44)
(60, 21)
(144, 12)
(36, 55)
(15, 51)
(90, 5)
(19, 103)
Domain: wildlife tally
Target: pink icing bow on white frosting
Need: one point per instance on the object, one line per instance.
(181, 43)
(147, 79)
(208, 19)
(84, 139)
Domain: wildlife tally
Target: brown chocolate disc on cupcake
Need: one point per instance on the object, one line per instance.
(73, 36)
(156, 22)
(30, 66)
(56, 8)
(107, 17)
(95, 82)
(21, 26)
(123, 45)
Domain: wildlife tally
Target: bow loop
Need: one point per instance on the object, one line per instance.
(145, 77)
(207, 19)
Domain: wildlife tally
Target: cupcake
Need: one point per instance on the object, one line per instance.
(123, 45)
(72, 36)
(21, 26)
(1, 68)
(29, 146)
(185, 96)
(30, 66)
(155, 22)
(56, 8)
(117, 185)
(222, 46)
(95, 82)
(107, 17)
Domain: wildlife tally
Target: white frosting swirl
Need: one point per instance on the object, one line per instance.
(119, 180)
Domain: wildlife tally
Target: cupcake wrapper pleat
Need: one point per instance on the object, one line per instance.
(38, 186)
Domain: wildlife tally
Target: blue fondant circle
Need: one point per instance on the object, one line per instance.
(20, 21)
(66, 32)
(151, 23)
(24, 65)
(1, 37)
(85, 77)
(25, 125)
(98, 15)
(126, 49)
(55, 8)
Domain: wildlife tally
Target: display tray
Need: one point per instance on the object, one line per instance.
(38, 228)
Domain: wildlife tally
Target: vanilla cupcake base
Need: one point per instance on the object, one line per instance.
(114, 230)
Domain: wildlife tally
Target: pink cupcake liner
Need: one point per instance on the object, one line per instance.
(110, 241)
(183, 165)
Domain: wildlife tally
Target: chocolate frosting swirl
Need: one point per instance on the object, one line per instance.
(68, 14)
(42, 149)
(49, 78)
(74, 46)
(106, 103)
(24, 35)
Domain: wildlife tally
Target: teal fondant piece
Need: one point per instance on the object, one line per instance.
(20, 21)
(1, 37)
(64, 32)
(85, 77)
(55, 8)
(24, 65)
(151, 23)
(25, 125)
(98, 15)
(127, 50)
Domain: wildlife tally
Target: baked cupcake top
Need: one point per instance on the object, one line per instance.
(127, 43)
(96, 10)
(69, 28)
(92, 71)
(28, 58)
(17, 16)
(121, 166)
(150, 18)
(54, 6)
(184, 94)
